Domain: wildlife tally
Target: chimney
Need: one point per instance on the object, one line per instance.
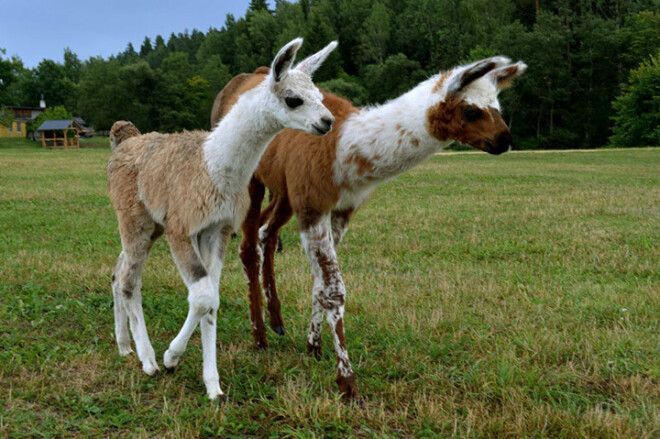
(42, 103)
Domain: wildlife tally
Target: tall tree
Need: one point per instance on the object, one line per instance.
(146, 47)
(72, 66)
(375, 34)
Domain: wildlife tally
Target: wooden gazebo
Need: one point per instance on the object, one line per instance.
(60, 133)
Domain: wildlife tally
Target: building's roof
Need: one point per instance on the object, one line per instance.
(57, 124)
(81, 122)
(18, 107)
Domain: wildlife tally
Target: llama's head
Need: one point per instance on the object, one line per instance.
(468, 109)
(297, 103)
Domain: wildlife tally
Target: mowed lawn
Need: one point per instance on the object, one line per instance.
(503, 296)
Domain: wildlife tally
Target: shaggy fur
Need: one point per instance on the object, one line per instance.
(192, 186)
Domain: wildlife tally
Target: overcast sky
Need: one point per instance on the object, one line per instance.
(39, 29)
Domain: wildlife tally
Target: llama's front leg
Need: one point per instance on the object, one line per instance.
(213, 247)
(203, 302)
(330, 293)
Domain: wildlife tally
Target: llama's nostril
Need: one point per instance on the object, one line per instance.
(503, 141)
(328, 121)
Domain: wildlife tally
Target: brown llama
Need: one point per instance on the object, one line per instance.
(323, 181)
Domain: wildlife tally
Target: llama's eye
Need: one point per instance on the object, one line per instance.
(471, 114)
(293, 102)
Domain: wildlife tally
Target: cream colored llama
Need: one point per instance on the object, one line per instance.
(324, 180)
(192, 186)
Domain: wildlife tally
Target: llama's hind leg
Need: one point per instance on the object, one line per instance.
(251, 256)
(138, 235)
(203, 302)
(339, 222)
(121, 317)
(268, 236)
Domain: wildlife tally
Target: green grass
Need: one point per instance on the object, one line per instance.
(487, 297)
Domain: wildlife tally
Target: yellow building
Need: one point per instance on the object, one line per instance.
(22, 115)
(15, 128)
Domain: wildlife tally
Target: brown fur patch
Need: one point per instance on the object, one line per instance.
(445, 121)
(127, 293)
(363, 163)
(250, 259)
(414, 141)
(441, 81)
(339, 330)
(233, 90)
(300, 165)
(347, 386)
(327, 268)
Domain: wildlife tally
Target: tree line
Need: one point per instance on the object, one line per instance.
(587, 61)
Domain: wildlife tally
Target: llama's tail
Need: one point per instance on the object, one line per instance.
(122, 130)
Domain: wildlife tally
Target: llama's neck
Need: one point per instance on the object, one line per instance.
(233, 149)
(381, 142)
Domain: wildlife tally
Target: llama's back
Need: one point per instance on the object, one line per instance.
(165, 174)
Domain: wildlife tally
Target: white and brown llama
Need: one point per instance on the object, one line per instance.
(325, 180)
(193, 186)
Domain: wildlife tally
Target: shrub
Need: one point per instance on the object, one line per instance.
(637, 118)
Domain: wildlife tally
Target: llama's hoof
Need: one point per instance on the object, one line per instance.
(279, 330)
(314, 350)
(348, 388)
(150, 369)
(170, 360)
(216, 395)
(261, 341)
(125, 350)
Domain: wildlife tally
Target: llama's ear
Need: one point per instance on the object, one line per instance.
(310, 64)
(284, 59)
(468, 74)
(504, 76)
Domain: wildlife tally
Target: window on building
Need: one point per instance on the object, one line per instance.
(18, 127)
(11, 127)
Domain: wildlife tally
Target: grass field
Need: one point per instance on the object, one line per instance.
(511, 296)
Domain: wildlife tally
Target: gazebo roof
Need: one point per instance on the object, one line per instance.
(58, 124)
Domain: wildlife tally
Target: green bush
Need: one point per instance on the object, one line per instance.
(637, 118)
(350, 90)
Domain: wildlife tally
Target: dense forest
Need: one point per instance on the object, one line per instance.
(593, 77)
